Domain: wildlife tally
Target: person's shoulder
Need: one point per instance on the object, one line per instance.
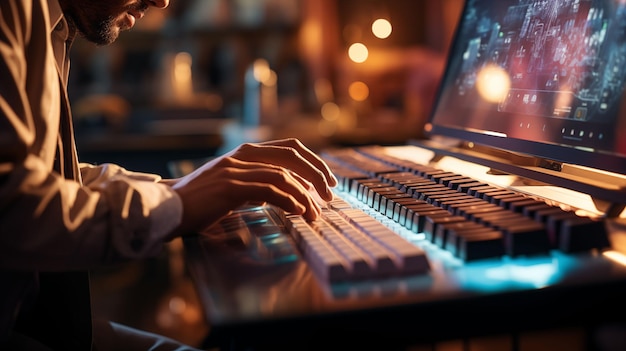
(10, 8)
(21, 17)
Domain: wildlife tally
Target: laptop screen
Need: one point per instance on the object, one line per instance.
(544, 78)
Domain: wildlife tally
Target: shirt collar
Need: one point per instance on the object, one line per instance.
(62, 36)
(56, 14)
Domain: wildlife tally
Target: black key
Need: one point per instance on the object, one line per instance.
(470, 212)
(432, 174)
(405, 213)
(477, 191)
(488, 195)
(433, 222)
(457, 184)
(399, 210)
(379, 194)
(419, 217)
(439, 176)
(530, 211)
(582, 234)
(449, 233)
(443, 200)
(505, 201)
(496, 219)
(545, 214)
(520, 206)
(478, 246)
(373, 194)
(465, 187)
(416, 191)
(454, 180)
(408, 187)
(420, 170)
(396, 179)
(356, 187)
(413, 189)
(388, 202)
(430, 195)
(412, 215)
(553, 226)
(394, 205)
(452, 205)
(529, 238)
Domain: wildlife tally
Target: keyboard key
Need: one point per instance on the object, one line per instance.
(529, 238)
(479, 245)
(492, 220)
(582, 234)
(465, 187)
(449, 233)
(420, 215)
(432, 223)
(520, 206)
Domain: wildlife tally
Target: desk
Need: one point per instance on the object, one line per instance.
(256, 305)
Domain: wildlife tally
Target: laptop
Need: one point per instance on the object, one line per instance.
(524, 161)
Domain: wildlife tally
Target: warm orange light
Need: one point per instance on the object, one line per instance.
(359, 91)
(181, 76)
(381, 28)
(262, 71)
(330, 111)
(182, 66)
(493, 83)
(358, 52)
(616, 256)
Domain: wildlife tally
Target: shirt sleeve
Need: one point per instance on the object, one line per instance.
(47, 222)
(50, 223)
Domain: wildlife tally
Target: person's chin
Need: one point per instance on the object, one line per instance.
(102, 39)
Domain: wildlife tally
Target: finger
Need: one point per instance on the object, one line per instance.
(309, 155)
(290, 158)
(310, 189)
(235, 163)
(268, 193)
(280, 179)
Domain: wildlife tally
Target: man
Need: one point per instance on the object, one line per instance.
(59, 218)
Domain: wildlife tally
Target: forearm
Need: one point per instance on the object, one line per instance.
(49, 223)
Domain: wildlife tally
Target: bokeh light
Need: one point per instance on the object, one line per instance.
(358, 52)
(381, 28)
(330, 111)
(493, 83)
(359, 91)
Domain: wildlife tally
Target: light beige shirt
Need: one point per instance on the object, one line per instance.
(50, 218)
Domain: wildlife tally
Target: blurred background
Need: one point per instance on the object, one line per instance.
(200, 77)
(195, 80)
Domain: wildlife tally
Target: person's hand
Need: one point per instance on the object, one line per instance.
(281, 172)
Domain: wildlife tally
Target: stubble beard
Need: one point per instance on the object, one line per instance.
(100, 32)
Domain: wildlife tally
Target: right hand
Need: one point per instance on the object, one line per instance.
(280, 172)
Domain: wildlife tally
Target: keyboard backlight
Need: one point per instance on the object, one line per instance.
(538, 275)
(523, 273)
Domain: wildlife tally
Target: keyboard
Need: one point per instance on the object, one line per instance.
(403, 239)
(389, 212)
(469, 218)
